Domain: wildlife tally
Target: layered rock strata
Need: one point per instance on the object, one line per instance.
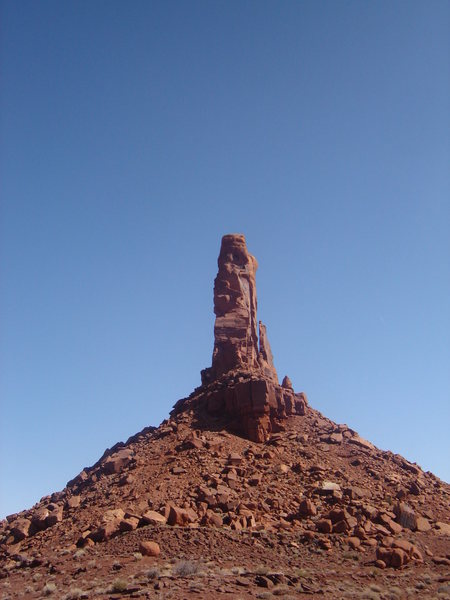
(242, 382)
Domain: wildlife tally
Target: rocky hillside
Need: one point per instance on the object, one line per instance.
(244, 492)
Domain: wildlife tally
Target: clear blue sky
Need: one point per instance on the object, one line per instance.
(135, 134)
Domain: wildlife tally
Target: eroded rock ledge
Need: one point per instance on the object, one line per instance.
(242, 382)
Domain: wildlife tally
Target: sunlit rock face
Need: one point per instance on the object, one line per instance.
(242, 383)
(236, 344)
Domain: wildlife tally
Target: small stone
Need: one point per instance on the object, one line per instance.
(307, 508)
(129, 524)
(114, 514)
(340, 527)
(55, 516)
(106, 531)
(405, 515)
(234, 458)
(118, 461)
(181, 516)
(441, 560)
(398, 558)
(39, 518)
(442, 528)
(73, 502)
(422, 524)
(324, 526)
(20, 529)
(178, 470)
(152, 517)
(212, 519)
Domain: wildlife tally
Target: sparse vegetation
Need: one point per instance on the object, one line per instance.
(73, 594)
(185, 568)
(394, 593)
(350, 555)
(420, 585)
(49, 588)
(119, 585)
(280, 590)
(300, 573)
(369, 595)
(153, 573)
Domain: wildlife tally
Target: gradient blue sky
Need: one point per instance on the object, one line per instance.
(135, 134)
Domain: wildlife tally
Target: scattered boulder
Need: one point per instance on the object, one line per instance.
(307, 508)
(114, 514)
(21, 529)
(148, 548)
(117, 461)
(359, 441)
(422, 524)
(212, 519)
(105, 532)
(129, 524)
(442, 528)
(406, 516)
(234, 458)
(181, 516)
(328, 487)
(354, 542)
(73, 502)
(152, 517)
(324, 526)
(39, 518)
(55, 516)
(391, 557)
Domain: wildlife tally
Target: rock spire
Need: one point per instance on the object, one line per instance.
(236, 344)
(241, 386)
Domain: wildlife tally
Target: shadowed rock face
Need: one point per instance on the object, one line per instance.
(242, 383)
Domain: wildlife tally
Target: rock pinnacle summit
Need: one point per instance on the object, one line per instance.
(242, 382)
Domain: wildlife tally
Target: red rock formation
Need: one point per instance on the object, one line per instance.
(235, 329)
(265, 357)
(242, 382)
